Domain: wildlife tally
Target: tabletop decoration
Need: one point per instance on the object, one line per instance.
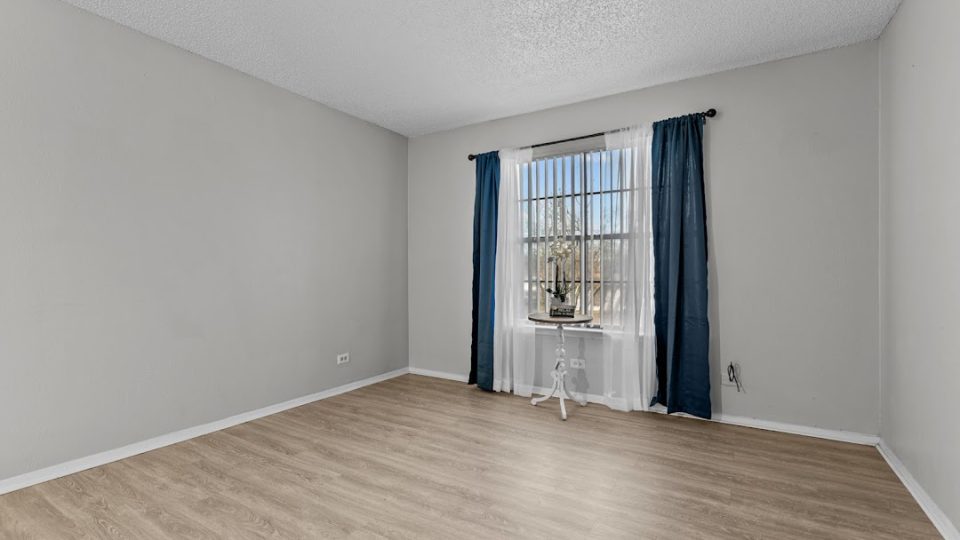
(562, 288)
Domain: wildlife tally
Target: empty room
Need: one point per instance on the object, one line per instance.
(445, 269)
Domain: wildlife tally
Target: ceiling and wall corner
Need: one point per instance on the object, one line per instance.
(424, 66)
(792, 161)
(165, 224)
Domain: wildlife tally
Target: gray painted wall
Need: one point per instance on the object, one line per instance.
(793, 214)
(180, 242)
(920, 253)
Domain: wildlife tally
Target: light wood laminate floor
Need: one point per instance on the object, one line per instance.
(415, 457)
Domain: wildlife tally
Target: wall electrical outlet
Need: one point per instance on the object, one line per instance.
(576, 363)
(343, 358)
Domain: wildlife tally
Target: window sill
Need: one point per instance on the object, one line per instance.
(570, 331)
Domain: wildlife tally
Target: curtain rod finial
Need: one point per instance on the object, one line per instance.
(472, 157)
(710, 113)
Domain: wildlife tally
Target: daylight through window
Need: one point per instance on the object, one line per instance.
(578, 198)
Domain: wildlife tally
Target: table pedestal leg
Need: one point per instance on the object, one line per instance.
(581, 401)
(559, 378)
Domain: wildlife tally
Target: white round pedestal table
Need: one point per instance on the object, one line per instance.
(560, 368)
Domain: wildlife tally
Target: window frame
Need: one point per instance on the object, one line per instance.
(585, 194)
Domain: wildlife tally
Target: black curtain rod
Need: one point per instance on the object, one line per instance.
(709, 113)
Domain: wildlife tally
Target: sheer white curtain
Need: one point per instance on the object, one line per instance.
(514, 345)
(625, 350)
(629, 349)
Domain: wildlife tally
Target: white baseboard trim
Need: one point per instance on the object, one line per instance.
(76, 465)
(936, 515)
(797, 429)
(438, 374)
(769, 425)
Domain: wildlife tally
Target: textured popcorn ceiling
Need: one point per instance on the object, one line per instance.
(418, 66)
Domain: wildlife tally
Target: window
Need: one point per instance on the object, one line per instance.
(578, 198)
